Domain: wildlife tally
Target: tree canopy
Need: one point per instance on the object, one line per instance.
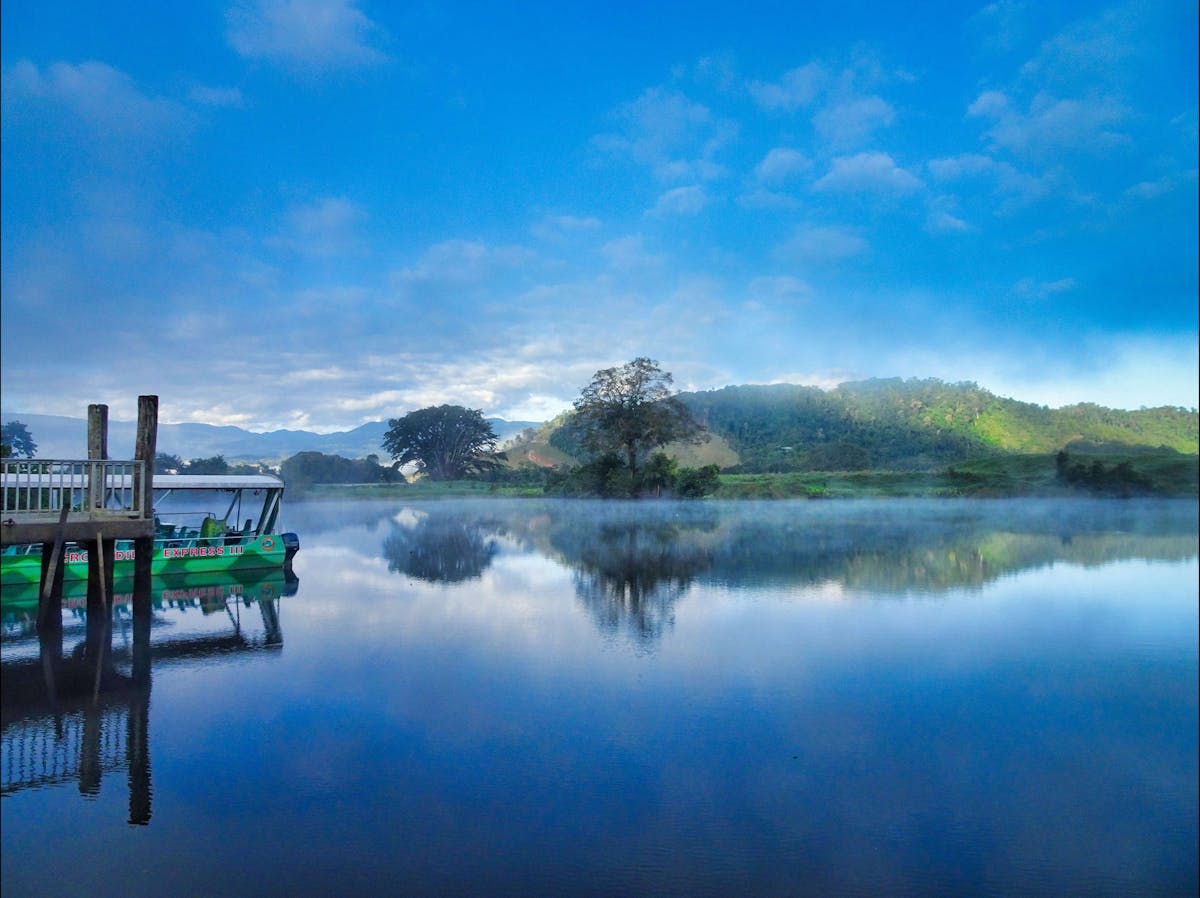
(214, 465)
(305, 469)
(446, 442)
(632, 410)
(16, 440)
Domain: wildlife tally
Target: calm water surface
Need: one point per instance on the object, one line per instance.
(520, 697)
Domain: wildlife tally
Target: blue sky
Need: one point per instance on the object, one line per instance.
(315, 213)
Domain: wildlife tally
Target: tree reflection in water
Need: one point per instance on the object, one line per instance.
(630, 570)
(631, 562)
(441, 547)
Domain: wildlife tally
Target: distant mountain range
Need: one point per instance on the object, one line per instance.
(61, 437)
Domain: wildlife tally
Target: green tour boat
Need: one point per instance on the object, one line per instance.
(203, 523)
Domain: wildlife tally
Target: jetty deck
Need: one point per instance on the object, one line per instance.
(77, 500)
(92, 502)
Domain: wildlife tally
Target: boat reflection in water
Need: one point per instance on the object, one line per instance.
(76, 696)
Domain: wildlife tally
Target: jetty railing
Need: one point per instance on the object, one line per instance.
(36, 491)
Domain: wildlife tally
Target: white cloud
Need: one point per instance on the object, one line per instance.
(1114, 370)
(1167, 184)
(767, 199)
(534, 408)
(990, 103)
(1086, 53)
(951, 168)
(868, 173)
(796, 89)
(1029, 288)
(679, 201)
(1001, 24)
(326, 227)
(824, 380)
(460, 262)
(216, 96)
(942, 217)
(307, 35)
(1069, 97)
(821, 244)
(629, 253)
(677, 137)
(776, 288)
(1051, 125)
(780, 164)
(103, 98)
(941, 221)
(1017, 186)
(851, 122)
(557, 228)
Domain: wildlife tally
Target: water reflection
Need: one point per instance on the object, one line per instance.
(678, 671)
(79, 714)
(631, 562)
(440, 546)
(629, 573)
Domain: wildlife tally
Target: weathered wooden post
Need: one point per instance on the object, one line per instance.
(97, 419)
(53, 563)
(143, 490)
(101, 552)
(138, 733)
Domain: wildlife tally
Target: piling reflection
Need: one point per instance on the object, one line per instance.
(81, 713)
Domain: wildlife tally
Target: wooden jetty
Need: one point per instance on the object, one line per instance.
(93, 502)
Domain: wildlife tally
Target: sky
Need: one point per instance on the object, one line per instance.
(311, 214)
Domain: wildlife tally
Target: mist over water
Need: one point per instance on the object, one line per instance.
(506, 696)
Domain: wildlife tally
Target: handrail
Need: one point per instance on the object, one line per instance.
(36, 490)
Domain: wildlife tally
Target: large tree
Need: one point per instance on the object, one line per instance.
(446, 442)
(16, 440)
(632, 410)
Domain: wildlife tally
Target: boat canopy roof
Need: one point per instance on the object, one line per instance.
(217, 482)
(79, 480)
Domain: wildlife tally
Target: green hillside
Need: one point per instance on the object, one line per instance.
(916, 425)
(893, 424)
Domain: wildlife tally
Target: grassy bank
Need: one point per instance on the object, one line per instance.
(1091, 474)
(421, 489)
(1095, 474)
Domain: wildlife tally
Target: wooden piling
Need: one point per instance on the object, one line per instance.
(144, 451)
(53, 566)
(97, 419)
(100, 568)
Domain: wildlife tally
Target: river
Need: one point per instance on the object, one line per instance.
(587, 697)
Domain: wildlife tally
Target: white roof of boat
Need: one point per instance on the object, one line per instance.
(216, 482)
(79, 479)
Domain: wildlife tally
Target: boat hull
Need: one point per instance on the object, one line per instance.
(255, 553)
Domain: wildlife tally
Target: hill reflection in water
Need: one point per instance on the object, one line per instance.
(631, 562)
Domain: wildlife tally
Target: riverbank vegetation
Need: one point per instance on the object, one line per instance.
(629, 434)
(1108, 474)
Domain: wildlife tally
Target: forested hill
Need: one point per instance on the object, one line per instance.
(900, 425)
(915, 424)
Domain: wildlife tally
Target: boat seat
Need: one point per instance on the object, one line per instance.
(210, 529)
